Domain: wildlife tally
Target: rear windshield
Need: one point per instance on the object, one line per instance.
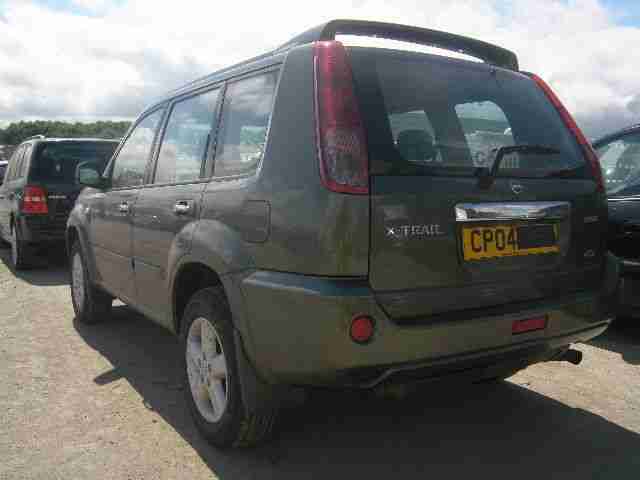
(57, 162)
(429, 115)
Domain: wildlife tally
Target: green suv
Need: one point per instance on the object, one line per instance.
(352, 217)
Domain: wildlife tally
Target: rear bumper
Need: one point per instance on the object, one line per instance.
(42, 229)
(298, 328)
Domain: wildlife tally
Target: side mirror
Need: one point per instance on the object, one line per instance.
(88, 175)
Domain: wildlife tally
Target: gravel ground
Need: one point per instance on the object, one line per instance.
(99, 402)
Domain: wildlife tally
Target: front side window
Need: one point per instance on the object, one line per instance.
(245, 119)
(620, 162)
(131, 162)
(186, 139)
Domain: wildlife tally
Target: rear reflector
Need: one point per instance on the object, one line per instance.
(344, 165)
(34, 200)
(361, 330)
(529, 325)
(568, 120)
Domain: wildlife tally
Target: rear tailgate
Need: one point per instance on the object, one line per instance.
(440, 241)
(53, 168)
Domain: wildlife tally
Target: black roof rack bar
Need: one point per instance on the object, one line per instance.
(488, 52)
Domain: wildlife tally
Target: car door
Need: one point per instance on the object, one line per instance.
(620, 161)
(110, 225)
(7, 194)
(166, 211)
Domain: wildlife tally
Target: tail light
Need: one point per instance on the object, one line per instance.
(34, 200)
(344, 165)
(568, 120)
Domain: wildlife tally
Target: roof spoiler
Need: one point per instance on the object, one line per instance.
(491, 54)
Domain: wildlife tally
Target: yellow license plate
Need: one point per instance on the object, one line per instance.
(497, 241)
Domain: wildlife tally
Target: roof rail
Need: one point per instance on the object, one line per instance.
(35, 137)
(491, 54)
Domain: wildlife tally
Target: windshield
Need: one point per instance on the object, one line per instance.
(428, 115)
(57, 162)
(620, 162)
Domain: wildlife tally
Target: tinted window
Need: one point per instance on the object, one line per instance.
(245, 119)
(620, 161)
(21, 169)
(429, 115)
(186, 139)
(131, 163)
(485, 129)
(56, 162)
(3, 170)
(13, 163)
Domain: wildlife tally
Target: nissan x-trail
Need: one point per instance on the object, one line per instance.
(353, 217)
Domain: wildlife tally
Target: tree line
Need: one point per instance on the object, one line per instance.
(16, 132)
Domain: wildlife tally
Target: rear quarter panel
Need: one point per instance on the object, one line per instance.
(312, 230)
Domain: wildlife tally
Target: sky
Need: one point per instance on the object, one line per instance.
(87, 60)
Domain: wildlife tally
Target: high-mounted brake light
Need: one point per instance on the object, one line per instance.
(34, 200)
(568, 120)
(342, 148)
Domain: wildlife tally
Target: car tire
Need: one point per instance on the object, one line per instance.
(212, 384)
(19, 250)
(90, 304)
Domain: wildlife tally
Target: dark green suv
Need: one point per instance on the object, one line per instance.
(39, 189)
(349, 217)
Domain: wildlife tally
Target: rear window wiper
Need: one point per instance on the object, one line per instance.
(486, 175)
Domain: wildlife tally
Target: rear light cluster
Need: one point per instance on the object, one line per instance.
(342, 148)
(568, 120)
(34, 200)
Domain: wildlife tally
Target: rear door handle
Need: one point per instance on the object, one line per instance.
(123, 207)
(182, 207)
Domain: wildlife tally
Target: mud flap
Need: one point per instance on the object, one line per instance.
(611, 285)
(258, 395)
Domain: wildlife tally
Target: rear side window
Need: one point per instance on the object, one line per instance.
(21, 169)
(131, 163)
(245, 119)
(620, 162)
(429, 115)
(14, 161)
(56, 162)
(186, 139)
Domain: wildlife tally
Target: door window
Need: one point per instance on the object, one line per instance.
(131, 162)
(620, 162)
(186, 139)
(245, 119)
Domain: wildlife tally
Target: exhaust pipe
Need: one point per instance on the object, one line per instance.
(571, 356)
